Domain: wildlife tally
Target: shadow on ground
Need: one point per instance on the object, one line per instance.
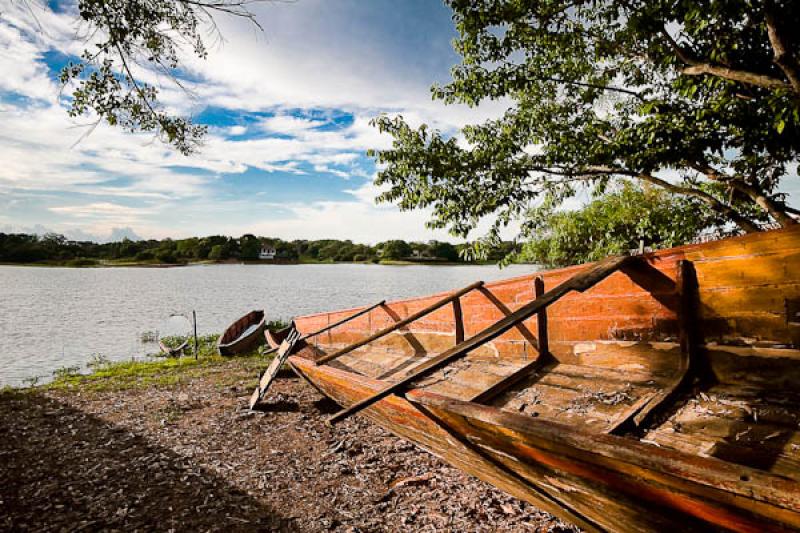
(62, 469)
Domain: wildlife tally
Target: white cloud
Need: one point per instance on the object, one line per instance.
(304, 62)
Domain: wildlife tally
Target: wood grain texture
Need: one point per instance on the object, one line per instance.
(600, 482)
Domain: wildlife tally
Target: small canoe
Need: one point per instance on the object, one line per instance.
(243, 335)
(648, 393)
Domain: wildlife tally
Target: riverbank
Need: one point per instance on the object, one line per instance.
(171, 444)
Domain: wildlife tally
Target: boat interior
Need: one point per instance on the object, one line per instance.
(693, 349)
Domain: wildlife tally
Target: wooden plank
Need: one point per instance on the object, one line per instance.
(637, 488)
(343, 320)
(275, 365)
(689, 479)
(579, 282)
(402, 323)
(646, 494)
(509, 381)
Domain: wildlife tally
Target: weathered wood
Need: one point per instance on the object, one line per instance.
(458, 320)
(619, 484)
(274, 367)
(402, 323)
(507, 382)
(541, 319)
(579, 282)
(343, 320)
(726, 456)
(706, 488)
(689, 365)
(329, 326)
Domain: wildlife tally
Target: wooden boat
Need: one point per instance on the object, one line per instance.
(243, 335)
(650, 393)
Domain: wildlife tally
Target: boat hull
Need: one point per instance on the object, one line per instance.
(560, 470)
(233, 342)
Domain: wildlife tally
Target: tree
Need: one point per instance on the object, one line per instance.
(701, 99)
(250, 247)
(443, 250)
(129, 41)
(217, 252)
(621, 220)
(394, 249)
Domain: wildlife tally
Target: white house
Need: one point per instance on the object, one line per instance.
(267, 252)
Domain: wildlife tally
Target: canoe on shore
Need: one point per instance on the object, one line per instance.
(243, 335)
(651, 393)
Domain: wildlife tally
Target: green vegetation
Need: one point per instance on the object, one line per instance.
(120, 375)
(123, 36)
(618, 221)
(700, 99)
(57, 250)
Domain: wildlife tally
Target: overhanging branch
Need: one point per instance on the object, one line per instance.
(697, 67)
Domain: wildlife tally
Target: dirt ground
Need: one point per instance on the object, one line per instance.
(191, 457)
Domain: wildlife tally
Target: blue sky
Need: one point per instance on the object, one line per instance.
(288, 111)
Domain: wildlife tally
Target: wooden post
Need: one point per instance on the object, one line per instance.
(642, 412)
(458, 318)
(541, 319)
(196, 346)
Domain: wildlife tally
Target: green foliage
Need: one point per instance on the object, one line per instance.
(619, 221)
(250, 247)
(394, 250)
(685, 96)
(129, 41)
(20, 248)
(217, 252)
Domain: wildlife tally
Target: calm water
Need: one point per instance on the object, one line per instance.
(58, 317)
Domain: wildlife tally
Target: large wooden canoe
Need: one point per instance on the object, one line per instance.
(656, 393)
(243, 335)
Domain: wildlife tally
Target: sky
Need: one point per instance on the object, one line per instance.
(288, 112)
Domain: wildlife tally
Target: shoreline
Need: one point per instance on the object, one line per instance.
(134, 264)
(174, 442)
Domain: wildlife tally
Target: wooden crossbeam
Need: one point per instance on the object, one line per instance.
(335, 324)
(397, 325)
(580, 282)
(521, 373)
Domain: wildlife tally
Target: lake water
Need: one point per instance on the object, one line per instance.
(59, 317)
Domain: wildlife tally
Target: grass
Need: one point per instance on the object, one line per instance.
(107, 375)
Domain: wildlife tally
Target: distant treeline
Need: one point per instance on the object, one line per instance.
(54, 248)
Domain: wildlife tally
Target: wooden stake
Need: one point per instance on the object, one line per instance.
(196, 346)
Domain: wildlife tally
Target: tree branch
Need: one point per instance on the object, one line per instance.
(698, 68)
(592, 172)
(784, 58)
(775, 209)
